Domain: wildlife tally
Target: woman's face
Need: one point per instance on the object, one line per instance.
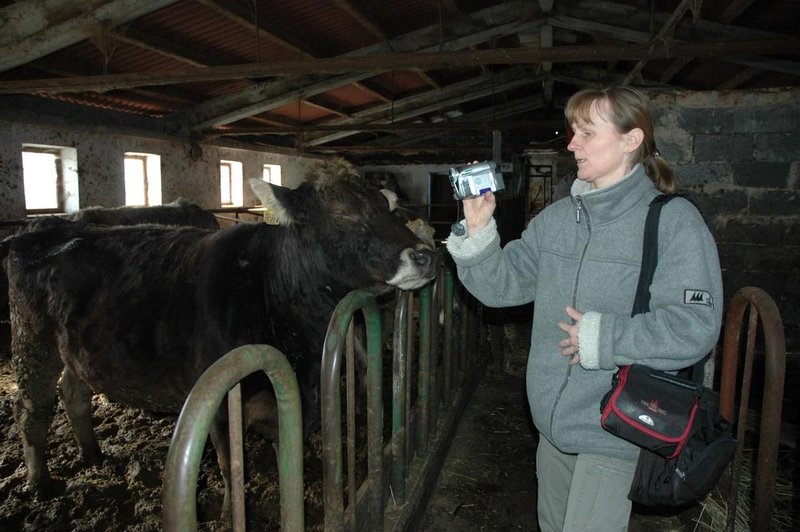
(599, 148)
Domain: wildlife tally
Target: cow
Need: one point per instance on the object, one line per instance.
(178, 212)
(138, 313)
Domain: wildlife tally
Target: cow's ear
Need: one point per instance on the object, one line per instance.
(391, 197)
(268, 194)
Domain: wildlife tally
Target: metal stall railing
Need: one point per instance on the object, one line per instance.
(431, 382)
(425, 377)
(335, 511)
(761, 306)
(455, 371)
(191, 432)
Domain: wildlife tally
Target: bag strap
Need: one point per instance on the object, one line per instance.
(641, 302)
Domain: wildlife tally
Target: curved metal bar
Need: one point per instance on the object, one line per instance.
(194, 422)
(775, 372)
(332, 411)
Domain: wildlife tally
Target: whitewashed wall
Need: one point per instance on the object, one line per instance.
(100, 166)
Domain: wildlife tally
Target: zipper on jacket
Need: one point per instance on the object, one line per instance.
(578, 210)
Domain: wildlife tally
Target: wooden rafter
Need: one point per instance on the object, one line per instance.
(266, 30)
(663, 34)
(364, 19)
(400, 61)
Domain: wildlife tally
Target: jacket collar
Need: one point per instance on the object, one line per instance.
(607, 204)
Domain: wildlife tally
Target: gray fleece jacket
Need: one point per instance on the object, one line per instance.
(585, 251)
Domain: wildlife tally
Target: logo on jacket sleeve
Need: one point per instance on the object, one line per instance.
(697, 297)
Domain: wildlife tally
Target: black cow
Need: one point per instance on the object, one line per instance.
(138, 313)
(179, 212)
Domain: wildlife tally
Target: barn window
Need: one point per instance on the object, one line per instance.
(50, 179)
(230, 183)
(142, 179)
(272, 173)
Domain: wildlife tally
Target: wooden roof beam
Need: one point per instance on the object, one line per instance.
(432, 101)
(165, 48)
(496, 21)
(260, 25)
(363, 18)
(401, 61)
(667, 29)
(34, 29)
(740, 79)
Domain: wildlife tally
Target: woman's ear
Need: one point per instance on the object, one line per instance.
(634, 138)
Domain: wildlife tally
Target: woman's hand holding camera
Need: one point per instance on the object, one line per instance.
(478, 211)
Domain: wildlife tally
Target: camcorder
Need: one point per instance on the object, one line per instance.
(476, 179)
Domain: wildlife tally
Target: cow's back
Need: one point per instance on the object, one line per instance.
(116, 303)
(179, 213)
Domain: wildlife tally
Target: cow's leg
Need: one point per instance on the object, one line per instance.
(37, 369)
(77, 399)
(310, 397)
(219, 438)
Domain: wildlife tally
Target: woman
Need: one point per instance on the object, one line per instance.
(579, 260)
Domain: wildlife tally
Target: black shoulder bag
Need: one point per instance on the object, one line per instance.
(685, 443)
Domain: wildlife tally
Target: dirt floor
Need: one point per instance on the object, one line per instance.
(487, 482)
(125, 492)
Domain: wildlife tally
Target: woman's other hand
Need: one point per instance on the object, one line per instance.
(569, 346)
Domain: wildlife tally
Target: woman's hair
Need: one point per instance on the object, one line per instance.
(627, 109)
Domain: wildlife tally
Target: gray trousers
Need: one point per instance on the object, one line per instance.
(582, 492)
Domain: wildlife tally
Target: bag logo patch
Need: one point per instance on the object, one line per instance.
(653, 406)
(697, 297)
(644, 418)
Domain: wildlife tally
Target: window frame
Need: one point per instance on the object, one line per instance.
(56, 152)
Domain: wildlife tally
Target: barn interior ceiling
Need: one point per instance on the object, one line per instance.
(373, 80)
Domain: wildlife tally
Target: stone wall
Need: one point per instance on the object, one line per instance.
(738, 154)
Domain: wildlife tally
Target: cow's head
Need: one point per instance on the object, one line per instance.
(363, 243)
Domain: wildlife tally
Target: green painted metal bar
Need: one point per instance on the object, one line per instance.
(447, 351)
(436, 358)
(191, 432)
(399, 399)
(464, 335)
(236, 439)
(424, 370)
(352, 488)
(332, 411)
(411, 352)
